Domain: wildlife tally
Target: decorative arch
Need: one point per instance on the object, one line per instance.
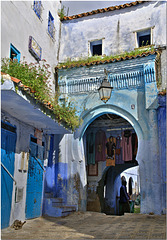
(92, 114)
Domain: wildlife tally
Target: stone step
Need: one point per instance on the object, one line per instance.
(48, 195)
(57, 200)
(65, 208)
(55, 207)
(67, 213)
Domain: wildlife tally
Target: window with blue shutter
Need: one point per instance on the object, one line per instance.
(51, 27)
(14, 53)
(37, 8)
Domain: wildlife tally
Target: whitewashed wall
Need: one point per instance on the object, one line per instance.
(116, 28)
(22, 146)
(19, 21)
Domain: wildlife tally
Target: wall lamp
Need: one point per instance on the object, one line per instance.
(105, 89)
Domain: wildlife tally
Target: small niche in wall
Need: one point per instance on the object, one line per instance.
(96, 48)
(18, 194)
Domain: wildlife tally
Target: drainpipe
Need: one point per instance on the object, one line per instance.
(58, 53)
(58, 49)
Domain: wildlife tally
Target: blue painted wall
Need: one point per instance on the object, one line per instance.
(143, 117)
(8, 144)
(55, 177)
(162, 144)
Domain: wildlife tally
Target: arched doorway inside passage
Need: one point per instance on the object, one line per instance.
(103, 176)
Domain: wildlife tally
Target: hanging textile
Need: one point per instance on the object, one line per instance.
(91, 148)
(118, 151)
(100, 142)
(126, 145)
(110, 151)
(134, 146)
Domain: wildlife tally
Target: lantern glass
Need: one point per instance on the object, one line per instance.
(105, 91)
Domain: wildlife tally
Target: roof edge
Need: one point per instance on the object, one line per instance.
(45, 106)
(102, 10)
(105, 61)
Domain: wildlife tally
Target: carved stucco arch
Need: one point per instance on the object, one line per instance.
(90, 115)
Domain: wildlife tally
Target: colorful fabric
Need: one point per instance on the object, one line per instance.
(118, 151)
(126, 144)
(100, 142)
(110, 149)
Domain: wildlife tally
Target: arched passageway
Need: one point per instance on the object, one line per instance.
(111, 147)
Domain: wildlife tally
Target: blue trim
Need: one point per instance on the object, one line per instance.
(35, 51)
(8, 148)
(15, 51)
(7, 123)
(51, 25)
(37, 8)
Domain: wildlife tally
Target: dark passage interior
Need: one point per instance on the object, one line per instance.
(111, 146)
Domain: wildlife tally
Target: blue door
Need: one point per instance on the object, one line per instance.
(8, 144)
(34, 182)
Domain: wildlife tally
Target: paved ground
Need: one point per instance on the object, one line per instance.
(91, 225)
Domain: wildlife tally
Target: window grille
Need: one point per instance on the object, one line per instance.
(38, 8)
(51, 27)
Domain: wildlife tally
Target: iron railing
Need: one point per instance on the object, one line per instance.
(117, 81)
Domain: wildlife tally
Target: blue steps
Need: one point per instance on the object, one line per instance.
(55, 207)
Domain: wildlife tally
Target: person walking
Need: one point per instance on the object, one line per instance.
(124, 198)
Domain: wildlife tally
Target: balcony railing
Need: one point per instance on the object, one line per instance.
(117, 81)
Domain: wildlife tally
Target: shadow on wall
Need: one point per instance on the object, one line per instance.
(109, 204)
(70, 190)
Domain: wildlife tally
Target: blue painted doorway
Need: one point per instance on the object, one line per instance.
(34, 181)
(8, 145)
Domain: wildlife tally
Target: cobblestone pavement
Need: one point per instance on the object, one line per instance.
(91, 225)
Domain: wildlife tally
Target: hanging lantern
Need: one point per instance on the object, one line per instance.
(105, 89)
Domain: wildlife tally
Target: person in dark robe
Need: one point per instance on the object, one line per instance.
(124, 198)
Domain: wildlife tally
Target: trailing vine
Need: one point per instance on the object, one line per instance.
(69, 63)
(61, 13)
(37, 77)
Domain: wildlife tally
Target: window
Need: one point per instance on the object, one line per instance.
(14, 53)
(144, 38)
(51, 28)
(37, 8)
(96, 48)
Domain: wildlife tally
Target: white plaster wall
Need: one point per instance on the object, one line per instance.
(116, 28)
(164, 69)
(72, 152)
(19, 21)
(22, 145)
(134, 173)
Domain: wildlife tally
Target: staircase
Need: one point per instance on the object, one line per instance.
(55, 207)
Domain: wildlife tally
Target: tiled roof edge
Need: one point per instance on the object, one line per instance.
(27, 89)
(145, 54)
(108, 9)
(162, 93)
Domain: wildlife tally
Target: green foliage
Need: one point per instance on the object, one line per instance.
(137, 210)
(95, 58)
(34, 75)
(61, 13)
(2, 81)
(37, 77)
